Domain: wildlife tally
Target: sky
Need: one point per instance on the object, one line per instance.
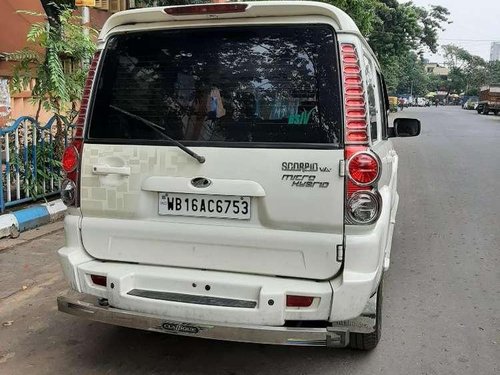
(476, 23)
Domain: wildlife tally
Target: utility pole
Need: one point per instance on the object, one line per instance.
(85, 19)
(84, 5)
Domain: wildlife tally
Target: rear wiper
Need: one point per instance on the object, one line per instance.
(157, 128)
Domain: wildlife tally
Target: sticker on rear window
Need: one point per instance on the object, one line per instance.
(301, 118)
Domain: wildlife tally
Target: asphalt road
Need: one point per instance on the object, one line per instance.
(442, 293)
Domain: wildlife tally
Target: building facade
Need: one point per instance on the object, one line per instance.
(437, 70)
(14, 105)
(495, 51)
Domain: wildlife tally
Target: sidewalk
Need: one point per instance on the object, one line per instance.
(30, 235)
(12, 224)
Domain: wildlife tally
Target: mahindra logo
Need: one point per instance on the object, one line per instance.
(201, 182)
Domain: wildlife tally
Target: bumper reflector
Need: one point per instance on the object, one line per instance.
(99, 280)
(299, 301)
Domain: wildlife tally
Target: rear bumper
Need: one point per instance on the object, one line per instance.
(341, 299)
(87, 306)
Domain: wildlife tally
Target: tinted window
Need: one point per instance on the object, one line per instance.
(384, 105)
(220, 85)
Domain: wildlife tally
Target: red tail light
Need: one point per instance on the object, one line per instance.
(70, 159)
(191, 10)
(99, 280)
(71, 156)
(356, 132)
(357, 136)
(363, 203)
(363, 168)
(354, 97)
(299, 301)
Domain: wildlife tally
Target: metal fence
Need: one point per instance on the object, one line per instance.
(29, 159)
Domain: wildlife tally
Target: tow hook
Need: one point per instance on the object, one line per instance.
(337, 338)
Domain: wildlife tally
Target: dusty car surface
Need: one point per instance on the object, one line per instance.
(233, 177)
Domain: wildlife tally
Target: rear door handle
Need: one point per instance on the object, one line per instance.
(104, 169)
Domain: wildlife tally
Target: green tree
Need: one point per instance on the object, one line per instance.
(401, 28)
(395, 29)
(413, 78)
(435, 82)
(55, 59)
(494, 72)
(55, 89)
(363, 12)
(467, 72)
(53, 10)
(398, 33)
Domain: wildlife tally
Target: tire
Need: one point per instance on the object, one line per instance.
(486, 110)
(368, 341)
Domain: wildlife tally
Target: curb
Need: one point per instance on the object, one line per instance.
(28, 218)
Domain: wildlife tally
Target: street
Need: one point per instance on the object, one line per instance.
(441, 298)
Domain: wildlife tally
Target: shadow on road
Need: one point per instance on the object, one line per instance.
(122, 349)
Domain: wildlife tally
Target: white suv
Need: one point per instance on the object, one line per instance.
(232, 176)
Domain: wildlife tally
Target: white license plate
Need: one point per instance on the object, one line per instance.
(220, 206)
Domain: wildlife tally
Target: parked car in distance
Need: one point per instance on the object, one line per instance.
(204, 201)
(421, 102)
(471, 103)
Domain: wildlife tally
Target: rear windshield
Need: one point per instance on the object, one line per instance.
(244, 86)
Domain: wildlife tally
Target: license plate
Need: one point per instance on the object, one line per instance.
(220, 206)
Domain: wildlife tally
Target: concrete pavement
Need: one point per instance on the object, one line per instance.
(442, 293)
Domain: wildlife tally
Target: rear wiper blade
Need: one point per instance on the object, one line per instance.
(157, 128)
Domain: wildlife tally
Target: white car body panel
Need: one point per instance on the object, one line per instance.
(347, 296)
(255, 10)
(295, 236)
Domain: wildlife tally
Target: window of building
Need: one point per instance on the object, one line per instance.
(111, 5)
(69, 65)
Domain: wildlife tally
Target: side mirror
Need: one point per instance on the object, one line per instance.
(405, 127)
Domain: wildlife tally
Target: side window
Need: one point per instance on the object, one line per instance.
(384, 104)
(372, 99)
